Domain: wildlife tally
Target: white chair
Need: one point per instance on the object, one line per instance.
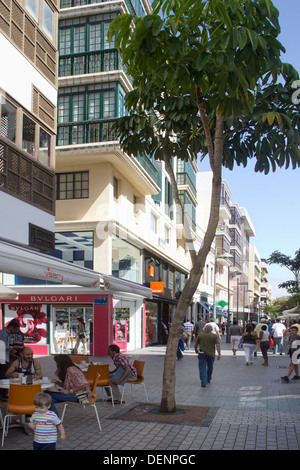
(92, 402)
(139, 366)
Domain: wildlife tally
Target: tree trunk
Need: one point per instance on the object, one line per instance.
(168, 402)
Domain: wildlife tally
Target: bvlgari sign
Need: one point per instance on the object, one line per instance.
(53, 298)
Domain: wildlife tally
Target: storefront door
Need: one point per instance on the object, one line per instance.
(125, 325)
(65, 329)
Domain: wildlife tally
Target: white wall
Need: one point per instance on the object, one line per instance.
(15, 218)
(18, 76)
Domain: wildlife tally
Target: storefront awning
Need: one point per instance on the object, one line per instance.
(206, 307)
(8, 293)
(24, 262)
(116, 284)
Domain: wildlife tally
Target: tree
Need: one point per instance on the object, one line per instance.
(206, 81)
(293, 264)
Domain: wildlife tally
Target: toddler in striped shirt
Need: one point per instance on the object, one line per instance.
(45, 424)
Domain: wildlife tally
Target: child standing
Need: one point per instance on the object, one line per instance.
(45, 424)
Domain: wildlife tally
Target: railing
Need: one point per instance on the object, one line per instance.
(26, 178)
(85, 132)
(184, 179)
(89, 62)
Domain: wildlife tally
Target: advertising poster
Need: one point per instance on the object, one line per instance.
(33, 321)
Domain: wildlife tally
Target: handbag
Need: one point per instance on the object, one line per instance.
(82, 397)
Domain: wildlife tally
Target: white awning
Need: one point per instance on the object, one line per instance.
(24, 262)
(115, 284)
(8, 293)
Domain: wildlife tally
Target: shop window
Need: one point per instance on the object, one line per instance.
(66, 329)
(75, 247)
(125, 260)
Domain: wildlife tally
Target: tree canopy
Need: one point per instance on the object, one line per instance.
(218, 56)
(293, 264)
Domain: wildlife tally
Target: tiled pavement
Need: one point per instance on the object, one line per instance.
(253, 409)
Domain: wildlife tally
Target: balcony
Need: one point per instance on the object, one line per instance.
(224, 209)
(89, 62)
(85, 132)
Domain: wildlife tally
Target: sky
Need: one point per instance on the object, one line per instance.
(272, 200)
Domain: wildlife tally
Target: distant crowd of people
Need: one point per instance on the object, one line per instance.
(264, 335)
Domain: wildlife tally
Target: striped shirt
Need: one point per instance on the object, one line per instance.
(45, 431)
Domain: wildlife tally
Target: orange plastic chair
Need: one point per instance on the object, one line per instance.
(79, 359)
(139, 366)
(92, 402)
(103, 381)
(20, 402)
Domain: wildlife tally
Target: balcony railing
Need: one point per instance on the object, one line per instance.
(85, 132)
(89, 62)
(184, 179)
(26, 179)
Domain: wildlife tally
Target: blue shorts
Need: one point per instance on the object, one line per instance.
(40, 446)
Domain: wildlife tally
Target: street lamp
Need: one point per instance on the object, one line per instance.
(248, 316)
(224, 256)
(237, 299)
(230, 273)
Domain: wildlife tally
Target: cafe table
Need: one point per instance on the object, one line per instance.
(46, 384)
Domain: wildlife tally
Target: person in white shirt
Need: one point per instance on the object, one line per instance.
(215, 328)
(277, 335)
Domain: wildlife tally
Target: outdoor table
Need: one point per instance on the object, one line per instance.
(45, 385)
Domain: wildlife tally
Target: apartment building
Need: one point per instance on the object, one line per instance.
(114, 212)
(28, 96)
(232, 272)
(49, 291)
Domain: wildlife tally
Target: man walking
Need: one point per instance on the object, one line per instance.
(188, 326)
(277, 334)
(205, 346)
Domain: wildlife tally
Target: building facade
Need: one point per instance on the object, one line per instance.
(114, 212)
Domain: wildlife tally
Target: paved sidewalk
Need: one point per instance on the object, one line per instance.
(253, 409)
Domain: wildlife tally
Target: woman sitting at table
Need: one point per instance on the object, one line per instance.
(71, 379)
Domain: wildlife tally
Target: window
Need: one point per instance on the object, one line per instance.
(116, 188)
(8, 120)
(28, 135)
(47, 23)
(33, 7)
(44, 147)
(153, 223)
(43, 15)
(167, 234)
(126, 260)
(72, 185)
(63, 109)
(75, 247)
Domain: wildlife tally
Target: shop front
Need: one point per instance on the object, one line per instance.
(111, 308)
(166, 283)
(49, 319)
